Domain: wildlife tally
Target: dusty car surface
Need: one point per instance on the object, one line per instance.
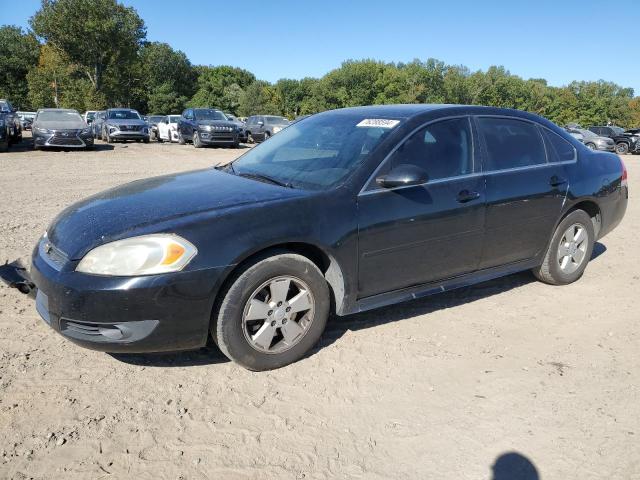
(61, 128)
(345, 211)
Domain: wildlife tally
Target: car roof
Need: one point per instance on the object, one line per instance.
(405, 111)
(57, 110)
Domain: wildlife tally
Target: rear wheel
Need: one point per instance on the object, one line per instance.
(569, 251)
(273, 313)
(622, 148)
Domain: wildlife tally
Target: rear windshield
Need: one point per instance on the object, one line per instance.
(157, 118)
(276, 120)
(60, 116)
(174, 118)
(124, 115)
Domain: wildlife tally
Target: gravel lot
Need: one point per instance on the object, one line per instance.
(436, 388)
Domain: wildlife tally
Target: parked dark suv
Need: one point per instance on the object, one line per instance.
(11, 120)
(207, 126)
(259, 128)
(624, 143)
(346, 211)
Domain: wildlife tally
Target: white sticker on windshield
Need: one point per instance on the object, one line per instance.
(378, 122)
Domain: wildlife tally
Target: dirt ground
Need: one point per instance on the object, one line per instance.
(439, 388)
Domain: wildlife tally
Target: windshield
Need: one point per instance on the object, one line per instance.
(91, 115)
(314, 154)
(618, 130)
(276, 120)
(59, 116)
(124, 115)
(207, 114)
(157, 118)
(174, 118)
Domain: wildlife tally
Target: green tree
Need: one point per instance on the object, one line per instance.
(93, 34)
(259, 98)
(168, 78)
(221, 87)
(19, 53)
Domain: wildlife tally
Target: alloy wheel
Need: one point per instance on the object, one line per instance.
(278, 314)
(572, 248)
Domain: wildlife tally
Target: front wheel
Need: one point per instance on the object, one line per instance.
(273, 313)
(196, 140)
(569, 251)
(622, 148)
(181, 140)
(591, 146)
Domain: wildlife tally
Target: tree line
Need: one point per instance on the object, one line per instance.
(93, 54)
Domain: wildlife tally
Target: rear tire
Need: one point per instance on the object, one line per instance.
(237, 323)
(569, 251)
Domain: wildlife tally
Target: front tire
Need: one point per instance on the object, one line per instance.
(181, 140)
(622, 148)
(591, 146)
(569, 251)
(196, 140)
(273, 313)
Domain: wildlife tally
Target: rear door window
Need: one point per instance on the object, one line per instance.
(511, 143)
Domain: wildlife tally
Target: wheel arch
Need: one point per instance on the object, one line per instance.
(592, 209)
(327, 263)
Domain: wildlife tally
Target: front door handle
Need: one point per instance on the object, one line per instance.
(467, 195)
(556, 181)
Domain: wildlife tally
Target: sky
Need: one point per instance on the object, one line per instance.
(560, 40)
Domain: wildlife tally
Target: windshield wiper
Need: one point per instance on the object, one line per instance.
(266, 178)
(226, 166)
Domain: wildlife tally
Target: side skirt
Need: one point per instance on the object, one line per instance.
(424, 290)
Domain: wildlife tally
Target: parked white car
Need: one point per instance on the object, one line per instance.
(168, 129)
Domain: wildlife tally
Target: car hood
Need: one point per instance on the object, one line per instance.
(141, 207)
(121, 121)
(55, 125)
(224, 123)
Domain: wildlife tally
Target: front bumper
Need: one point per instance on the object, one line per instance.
(606, 147)
(128, 135)
(212, 137)
(124, 314)
(63, 140)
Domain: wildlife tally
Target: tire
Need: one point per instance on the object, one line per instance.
(107, 138)
(591, 146)
(181, 138)
(622, 148)
(234, 337)
(236, 144)
(196, 140)
(551, 271)
(266, 136)
(250, 138)
(145, 140)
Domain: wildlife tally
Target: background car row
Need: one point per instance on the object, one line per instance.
(607, 138)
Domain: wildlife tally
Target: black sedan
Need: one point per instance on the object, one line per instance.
(207, 126)
(60, 128)
(345, 211)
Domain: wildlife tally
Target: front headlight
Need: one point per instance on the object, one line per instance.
(111, 126)
(44, 131)
(86, 131)
(144, 255)
(276, 129)
(205, 128)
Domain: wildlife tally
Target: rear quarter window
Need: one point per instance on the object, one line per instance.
(558, 149)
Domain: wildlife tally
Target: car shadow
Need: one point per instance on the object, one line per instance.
(209, 355)
(338, 326)
(26, 145)
(514, 466)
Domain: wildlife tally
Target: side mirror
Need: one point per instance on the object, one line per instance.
(403, 176)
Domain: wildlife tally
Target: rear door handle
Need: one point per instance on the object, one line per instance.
(556, 181)
(467, 195)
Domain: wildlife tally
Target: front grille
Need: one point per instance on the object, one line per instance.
(131, 128)
(60, 141)
(80, 328)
